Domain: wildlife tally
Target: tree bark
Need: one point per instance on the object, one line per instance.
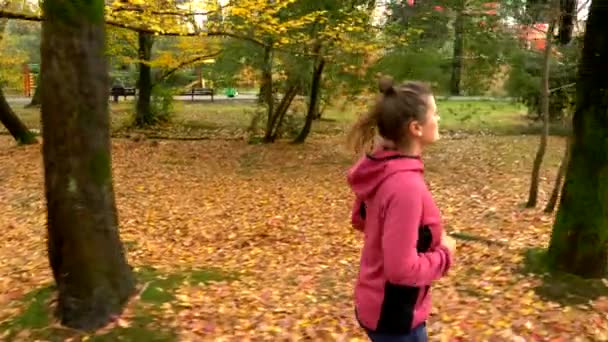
(280, 112)
(13, 124)
(580, 233)
(85, 253)
(568, 18)
(35, 102)
(267, 94)
(544, 103)
(458, 51)
(557, 186)
(144, 115)
(315, 91)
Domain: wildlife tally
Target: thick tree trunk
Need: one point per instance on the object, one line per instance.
(144, 115)
(458, 51)
(544, 103)
(13, 124)
(579, 242)
(315, 91)
(557, 186)
(86, 256)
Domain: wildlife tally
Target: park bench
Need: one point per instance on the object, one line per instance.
(201, 92)
(117, 91)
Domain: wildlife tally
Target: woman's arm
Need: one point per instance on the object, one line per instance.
(357, 217)
(403, 265)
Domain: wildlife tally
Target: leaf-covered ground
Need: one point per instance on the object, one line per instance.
(277, 218)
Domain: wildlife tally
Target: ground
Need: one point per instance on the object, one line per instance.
(234, 241)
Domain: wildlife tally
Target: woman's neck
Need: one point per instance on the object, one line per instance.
(411, 150)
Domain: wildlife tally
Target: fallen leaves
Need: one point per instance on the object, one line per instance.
(278, 216)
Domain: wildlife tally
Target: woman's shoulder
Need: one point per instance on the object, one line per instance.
(405, 183)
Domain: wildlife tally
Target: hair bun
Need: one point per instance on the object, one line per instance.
(386, 85)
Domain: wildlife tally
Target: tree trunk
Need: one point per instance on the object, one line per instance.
(580, 233)
(13, 124)
(315, 91)
(458, 51)
(281, 111)
(144, 115)
(557, 186)
(544, 103)
(86, 255)
(35, 102)
(267, 94)
(320, 109)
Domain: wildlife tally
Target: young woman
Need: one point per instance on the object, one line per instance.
(405, 248)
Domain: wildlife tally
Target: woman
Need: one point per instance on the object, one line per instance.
(405, 247)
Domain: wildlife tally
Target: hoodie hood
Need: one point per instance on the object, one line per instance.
(370, 171)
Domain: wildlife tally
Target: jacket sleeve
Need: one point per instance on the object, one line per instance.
(357, 218)
(403, 265)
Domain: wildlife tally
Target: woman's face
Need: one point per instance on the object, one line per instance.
(427, 131)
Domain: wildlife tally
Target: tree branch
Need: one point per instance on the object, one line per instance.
(182, 13)
(19, 16)
(137, 28)
(193, 60)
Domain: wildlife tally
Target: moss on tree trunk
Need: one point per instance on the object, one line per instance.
(86, 256)
(580, 233)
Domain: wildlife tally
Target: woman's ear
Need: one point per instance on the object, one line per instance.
(415, 128)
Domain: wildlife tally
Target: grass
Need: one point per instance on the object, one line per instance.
(35, 321)
(199, 119)
(161, 287)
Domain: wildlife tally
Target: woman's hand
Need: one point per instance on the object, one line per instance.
(448, 242)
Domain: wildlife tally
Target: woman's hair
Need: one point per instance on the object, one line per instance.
(396, 107)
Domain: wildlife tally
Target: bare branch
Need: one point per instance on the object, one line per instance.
(185, 63)
(138, 28)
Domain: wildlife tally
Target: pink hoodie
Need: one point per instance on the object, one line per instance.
(402, 252)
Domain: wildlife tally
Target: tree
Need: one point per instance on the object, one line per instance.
(13, 124)
(7, 117)
(143, 113)
(86, 255)
(557, 185)
(544, 99)
(297, 36)
(458, 53)
(580, 233)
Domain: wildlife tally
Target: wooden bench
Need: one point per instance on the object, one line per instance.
(201, 92)
(117, 91)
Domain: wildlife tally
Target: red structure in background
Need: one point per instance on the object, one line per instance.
(533, 35)
(28, 81)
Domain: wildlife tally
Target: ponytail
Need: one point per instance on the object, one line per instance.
(362, 134)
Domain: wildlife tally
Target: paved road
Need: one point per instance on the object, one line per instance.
(17, 100)
(21, 100)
